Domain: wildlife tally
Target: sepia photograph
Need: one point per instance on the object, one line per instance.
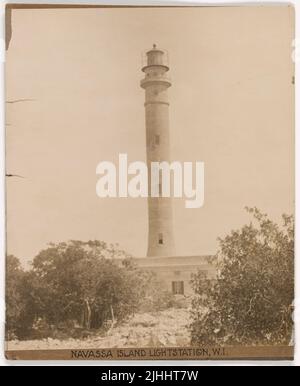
(149, 182)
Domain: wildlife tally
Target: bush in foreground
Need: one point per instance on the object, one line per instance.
(251, 300)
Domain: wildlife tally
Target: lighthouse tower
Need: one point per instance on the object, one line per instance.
(156, 84)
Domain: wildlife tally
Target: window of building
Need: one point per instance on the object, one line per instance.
(159, 189)
(157, 139)
(160, 239)
(178, 287)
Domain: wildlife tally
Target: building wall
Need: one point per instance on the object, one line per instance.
(160, 218)
(170, 270)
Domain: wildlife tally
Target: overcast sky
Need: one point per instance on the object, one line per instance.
(231, 106)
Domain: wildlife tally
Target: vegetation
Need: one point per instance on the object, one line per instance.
(251, 301)
(75, 288)
(84, 284)
(15, 305)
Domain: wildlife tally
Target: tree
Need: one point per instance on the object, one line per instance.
(14, 306)
(19, 311)
(84, 282)
(250, 302)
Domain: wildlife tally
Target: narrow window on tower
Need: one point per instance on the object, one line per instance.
(160, 239)
(157, 139)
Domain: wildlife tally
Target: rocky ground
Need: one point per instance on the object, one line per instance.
(163, 328)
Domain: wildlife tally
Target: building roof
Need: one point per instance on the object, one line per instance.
(175, 261)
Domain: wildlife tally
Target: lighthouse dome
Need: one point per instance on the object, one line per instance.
(156, 57)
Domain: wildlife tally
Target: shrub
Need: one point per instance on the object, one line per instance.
(251, 300)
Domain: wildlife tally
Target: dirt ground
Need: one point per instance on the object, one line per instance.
(159, 329)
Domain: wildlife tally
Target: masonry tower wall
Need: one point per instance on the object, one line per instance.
(156, 84)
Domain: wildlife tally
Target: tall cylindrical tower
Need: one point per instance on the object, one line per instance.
(156, 84)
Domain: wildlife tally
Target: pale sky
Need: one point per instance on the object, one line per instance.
(231, 106)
